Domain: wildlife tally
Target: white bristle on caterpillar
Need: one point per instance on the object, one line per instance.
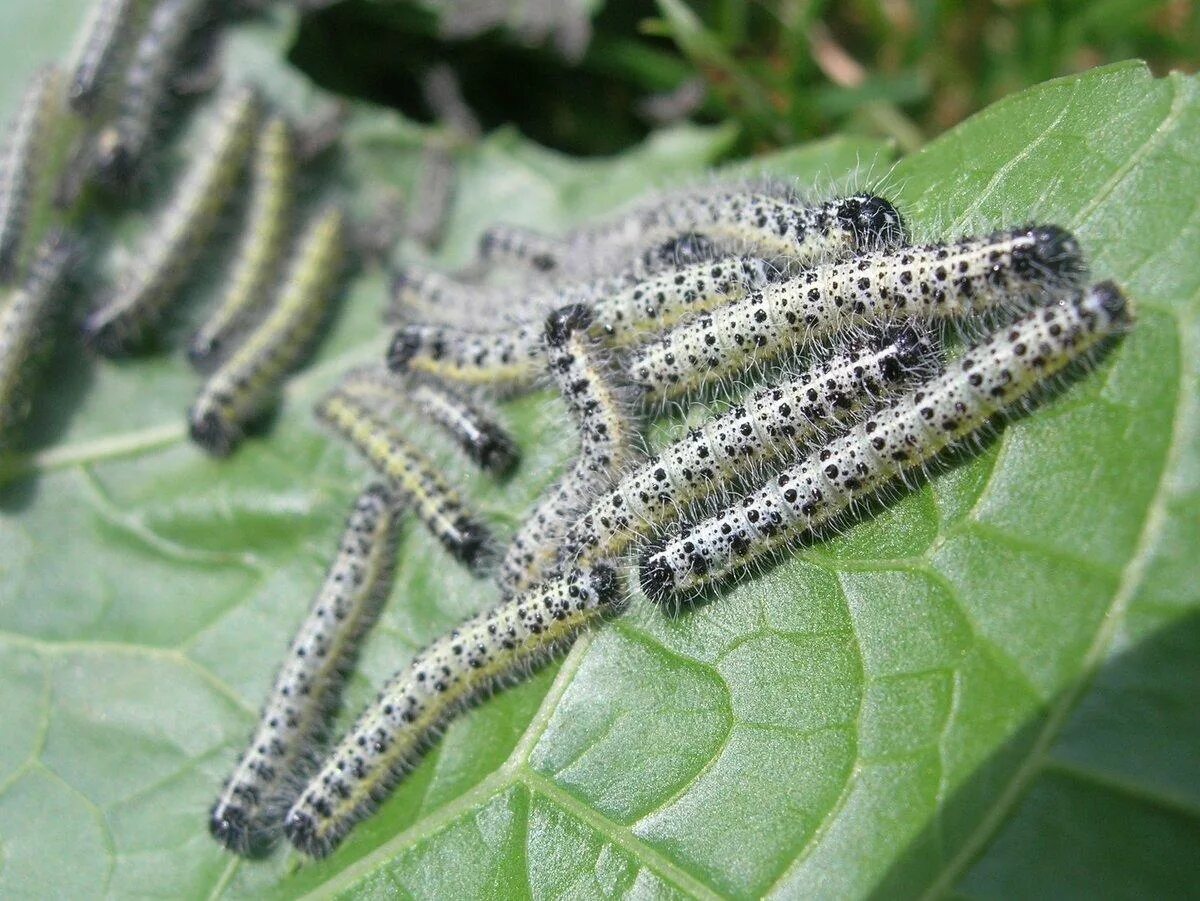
(179, 233)
(905, 435)
(25, 314)
(623, 309)
(607, 444)
(25, 151)
(771, 423)
(394, 730)
(105, 30)
(122, 145)
(307, 690)
(440, 508)
(931, 282)
(262, 243)
(245, 384)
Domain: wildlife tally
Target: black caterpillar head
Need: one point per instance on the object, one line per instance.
(565, 321)
(404, 347)
(1047, 250)
(873, 221)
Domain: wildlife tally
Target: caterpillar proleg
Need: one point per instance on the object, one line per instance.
(392, 732)
(307, 689)
(770, 423)
(183, 227)
(931, 282)
(905, 435)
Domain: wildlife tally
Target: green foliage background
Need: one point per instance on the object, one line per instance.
(986, 690)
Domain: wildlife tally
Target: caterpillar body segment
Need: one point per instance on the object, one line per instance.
(607, 444)
(392, 732)
(931, 282)
(439, 507)
(769, 424)
(905, 435)
(172, 244)
(25, 315)
(282, 753)
(103, 34)
(262, 244)
(24, 153)
(245, 384)
(477, 433)
(515, 246)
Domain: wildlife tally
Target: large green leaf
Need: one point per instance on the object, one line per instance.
(985, 689)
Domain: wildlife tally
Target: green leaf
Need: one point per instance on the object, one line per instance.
(985, 689)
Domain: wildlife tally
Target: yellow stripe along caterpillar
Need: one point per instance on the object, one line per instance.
(934, 281)
(121, 145)
(262, 243)
(25, 151)
(245, 384)
(607, 444)
(620, 312)
(247, 815)
(25, 315)
(771, 423)
(439, 507)
(905, 435)
(180, 231)
(103, 33)
(393, 731)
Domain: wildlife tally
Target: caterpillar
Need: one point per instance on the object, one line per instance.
(623, 310)
(523, 248)
(241, 387)
(25, 151)
(393, 731)
(905, 435)
(480, 437)
(181, 230)
(770, 423)
(308, 687)
(121, 145)
(606, 445)
(102, 35)
(749, 222)
(433, 196)
(262, 243)
(934, 281)
(439, 507)
(476, 433)
(24, 316)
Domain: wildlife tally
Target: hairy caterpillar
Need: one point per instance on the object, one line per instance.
(241, 387)
(475, 433)
(770, 423)
(262, 243)
(174, 241)
(308, 687)
(102, 35)
(522, 247)
(391, 734)
(23, 155)
(121, 146)
(623, 310)
(905, 435)
(461, 532)
(24, 315)
(935, 281)
(606, 445)
(755, 223)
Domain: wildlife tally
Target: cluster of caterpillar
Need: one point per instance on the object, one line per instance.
(826, 309)
(96, 123)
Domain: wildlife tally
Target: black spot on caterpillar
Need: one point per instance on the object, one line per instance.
(247, 816)
(905, 435)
